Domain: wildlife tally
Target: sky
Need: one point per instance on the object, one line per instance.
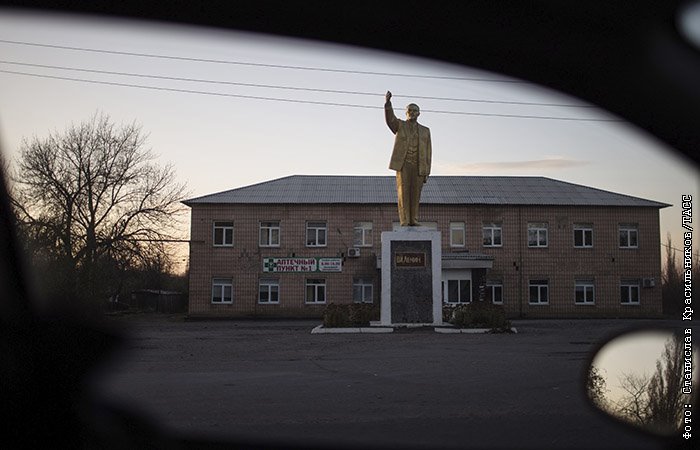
(633, 353)
(222, 134)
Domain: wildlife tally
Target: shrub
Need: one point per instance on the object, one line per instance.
(448, 312)
(478, 315)
(349, 315)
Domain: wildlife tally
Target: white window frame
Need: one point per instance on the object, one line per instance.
(627, 231)
(587, 288)
(494, 286)
(542, 285)
(365, 287)
(459, 228)
(318, 285)
(585, 230)
(539, 229)
(224, 225)
(363, 231)
(630, 286)
(268, 285)
(490, 231)
(220, 285)
(267, 229)
(460, 295)
(318, 228)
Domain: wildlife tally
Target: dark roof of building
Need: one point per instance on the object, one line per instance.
(440, 190)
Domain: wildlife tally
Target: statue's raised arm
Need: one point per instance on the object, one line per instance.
(391, 121)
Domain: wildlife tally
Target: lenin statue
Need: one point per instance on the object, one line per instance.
(410, 159)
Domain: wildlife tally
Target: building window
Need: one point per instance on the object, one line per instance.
(223, 234)
(222, 290)
(457, 234)
(494, 291)
(362, 234)
(269, 291)
(629, 292)
(628, 236)
(492, 233)
(316, 234)
(536, 234)
(362, 290)
(270, 234)
(315, 291)
(583, 235)
(539, 292)
(458, 291)
(584, 292)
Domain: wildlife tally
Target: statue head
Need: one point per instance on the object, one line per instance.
(412, 112)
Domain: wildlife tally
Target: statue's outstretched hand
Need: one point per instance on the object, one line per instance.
(388, 96)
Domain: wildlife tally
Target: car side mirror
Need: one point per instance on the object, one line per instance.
(645, 379)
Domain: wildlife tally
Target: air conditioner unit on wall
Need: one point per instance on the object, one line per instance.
(353, 252)
(648, 282)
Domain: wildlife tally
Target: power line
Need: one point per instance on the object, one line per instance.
(189, 91)
(309, 102)
(674, 248)
(293, 88)
(246, 63)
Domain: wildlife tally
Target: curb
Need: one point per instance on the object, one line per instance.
(468, 330)
(366, 330)
(319, 329)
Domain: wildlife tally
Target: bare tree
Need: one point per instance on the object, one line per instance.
(634, 405)
(92, 196)
(671, 282)
(596, 387)
(656, 402)
(666, 397)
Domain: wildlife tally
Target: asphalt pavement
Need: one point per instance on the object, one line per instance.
(273, 381)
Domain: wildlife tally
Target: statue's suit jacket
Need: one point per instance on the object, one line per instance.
(398, 155)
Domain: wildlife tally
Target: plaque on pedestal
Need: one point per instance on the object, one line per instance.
(411, 277)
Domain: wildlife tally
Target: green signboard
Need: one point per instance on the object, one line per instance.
(302, 265)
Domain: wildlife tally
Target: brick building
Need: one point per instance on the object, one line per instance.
(538, 246)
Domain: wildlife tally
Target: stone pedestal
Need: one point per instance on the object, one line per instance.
(411, 267)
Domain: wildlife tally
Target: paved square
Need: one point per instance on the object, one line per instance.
(274, 381)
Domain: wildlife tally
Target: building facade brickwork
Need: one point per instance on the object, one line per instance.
(548, 260)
